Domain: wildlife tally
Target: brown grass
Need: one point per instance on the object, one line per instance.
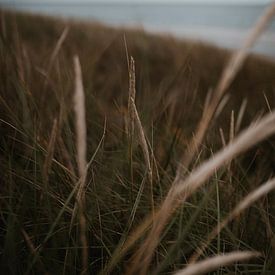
(169, 94)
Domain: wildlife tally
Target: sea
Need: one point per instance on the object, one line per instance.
(219, 24)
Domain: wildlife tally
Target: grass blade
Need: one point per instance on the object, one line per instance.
(213, 263)
(81, 146)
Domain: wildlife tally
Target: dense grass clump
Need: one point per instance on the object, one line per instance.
(141, 112)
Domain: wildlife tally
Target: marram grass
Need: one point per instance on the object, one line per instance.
(110, 162)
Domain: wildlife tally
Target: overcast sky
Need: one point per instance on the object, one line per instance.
(146, 1)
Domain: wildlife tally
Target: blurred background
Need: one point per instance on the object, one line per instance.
(224, 23)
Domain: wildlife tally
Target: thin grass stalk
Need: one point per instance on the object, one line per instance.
(132, 96)
(130, 117)
(232, 127)
(212, 263)
(154, 164)
(207, 100)
(218, 212)
(179, 192)
(222, 137)
(33, 250)
(67, 158)
(241, 115)
(245, 203)
(143, 143)
(61, 144)
(80, 119)
(267, 102)
(55, 52)
(50, 152)
(135, 121)
(221, 106)
(81, 146)
(47, 166)
(231, 138)
(126, 52)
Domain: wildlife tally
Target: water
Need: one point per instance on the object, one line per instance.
(222, 25)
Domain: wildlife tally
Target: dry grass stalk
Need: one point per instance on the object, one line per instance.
(33, 250)
(130, 126)
(55, 52)
(126, 51)
(65, 155)
(207, 100)
(59, 45)
(135, 121)
(50, 152)
(244, 204)
(80, 119)
(267, 102)
(132, 96)
(240, 115)
(184, 188)
(222, 137)
(221, 106)
(143, 142)
(231, 137)
(67, 158)
(28, 241)
(81, 146)
(229, 73)
(213, 263)
(232, 126)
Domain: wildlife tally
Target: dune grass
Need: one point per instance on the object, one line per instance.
(98, 171)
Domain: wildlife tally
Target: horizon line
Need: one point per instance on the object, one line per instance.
(158, 2)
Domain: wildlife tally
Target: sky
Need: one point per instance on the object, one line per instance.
(146, 1)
